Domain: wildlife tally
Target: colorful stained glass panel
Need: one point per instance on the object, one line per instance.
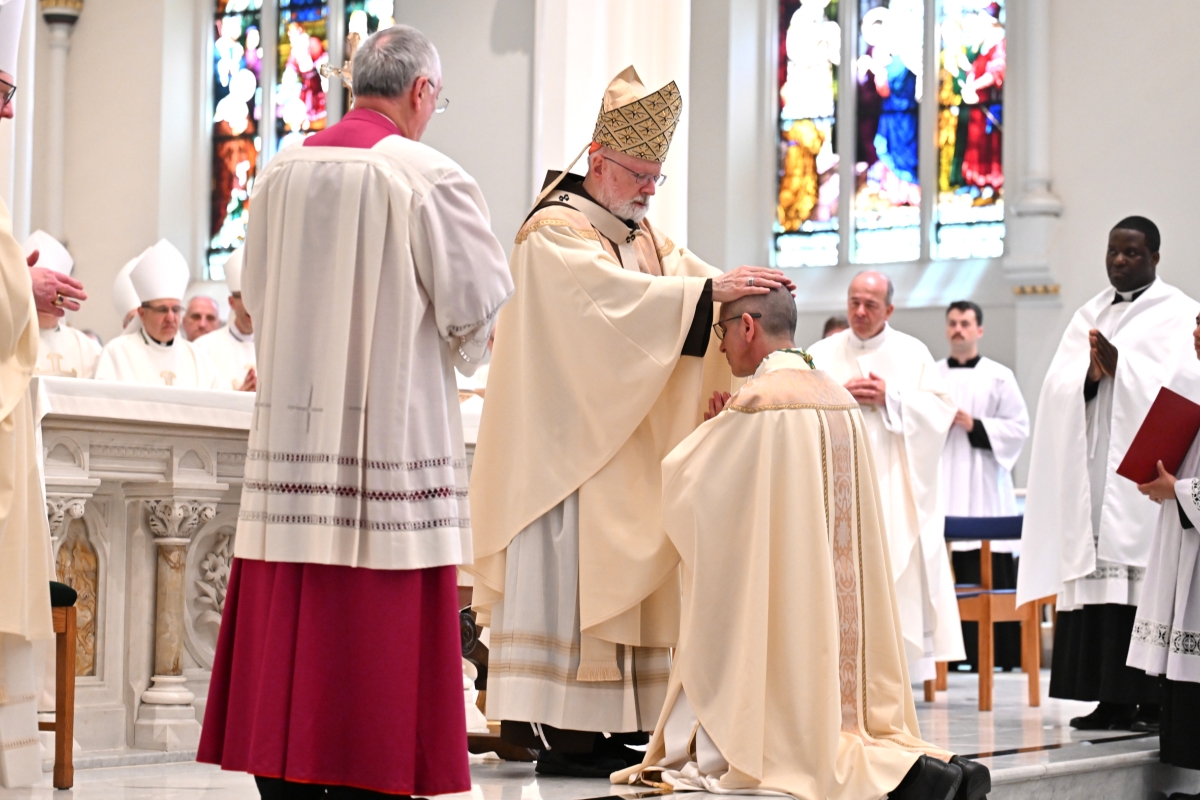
(971, 62)
(300, 91)
(806, 224)
(887, 196)
(236, 117)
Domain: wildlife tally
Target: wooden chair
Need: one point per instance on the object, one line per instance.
(986, 606)
(64, 697)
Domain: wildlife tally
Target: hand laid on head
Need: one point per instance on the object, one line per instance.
(748, 280)
(964, 420)
(250, 384)
(716, 404)
(1103, 356)
(871, 390)
(1161, 488)
(53, 292)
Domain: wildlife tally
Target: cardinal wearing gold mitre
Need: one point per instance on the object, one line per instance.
(601, 365)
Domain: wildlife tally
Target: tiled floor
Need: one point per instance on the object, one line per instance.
(1042, 736)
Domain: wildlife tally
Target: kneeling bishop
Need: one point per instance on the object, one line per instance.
(790, 675)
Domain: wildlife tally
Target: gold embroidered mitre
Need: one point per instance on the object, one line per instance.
(636, 122)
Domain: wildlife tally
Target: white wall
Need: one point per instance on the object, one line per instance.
(486, 47)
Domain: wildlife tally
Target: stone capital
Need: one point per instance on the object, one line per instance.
(177, 518)
(60, 510)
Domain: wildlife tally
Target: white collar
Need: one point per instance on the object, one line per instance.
(152, 342)
(874, 343)
(1127, 296)
(237, 335)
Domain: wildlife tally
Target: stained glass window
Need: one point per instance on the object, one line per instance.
(887, 198)
(806, 221)
(365, 17)
(970, 205)
(878, 206)
(236, 117)
(300, 90)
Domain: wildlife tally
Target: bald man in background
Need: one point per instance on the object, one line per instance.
(908, 411)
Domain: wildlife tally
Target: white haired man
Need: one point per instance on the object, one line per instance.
(371, 273)
(599, 369)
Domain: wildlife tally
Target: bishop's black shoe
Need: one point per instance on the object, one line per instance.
(1106, 717)
(1182, 796)
(1146, 719)
(976, 782)
(929, 779)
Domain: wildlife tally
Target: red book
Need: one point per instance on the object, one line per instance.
(1166, 434)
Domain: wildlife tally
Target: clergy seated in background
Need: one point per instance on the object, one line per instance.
(907, 411)
(231, 348)
(1166, 631)
(834, 325)
(790, 674)
(990, 428)
(63, 351)
(371, 273)
(1088, 532)
(201, 313)
(599, 369)
(152, 353)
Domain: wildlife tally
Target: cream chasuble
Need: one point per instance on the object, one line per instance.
(1087, 532)
(790, 673)
(356, 454)
(136, 358)
(977, 481)
(587, 393)
(907, 436)
(25, 560)
(65, 352)
(232, 353)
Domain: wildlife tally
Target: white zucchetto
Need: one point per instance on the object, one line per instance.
(161, 272)
(51, 253)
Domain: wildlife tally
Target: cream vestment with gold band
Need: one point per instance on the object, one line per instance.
(790, 673)
(25, 570)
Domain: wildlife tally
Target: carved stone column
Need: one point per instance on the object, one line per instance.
(60, 510)
(167, 718)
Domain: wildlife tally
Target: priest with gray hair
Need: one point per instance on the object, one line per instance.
(371, 272)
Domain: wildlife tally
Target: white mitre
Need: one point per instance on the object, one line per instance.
(125, 297)
(51, 253)
(233, 271)
(160, 272)
(12, 13)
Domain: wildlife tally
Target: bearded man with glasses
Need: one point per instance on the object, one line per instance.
(151, 352)
(601, 365)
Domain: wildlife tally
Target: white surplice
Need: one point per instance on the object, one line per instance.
(136, 358)
(1087, 532)
(976, 481)
(66, 352)
(231, 351)
(370, 274)
(907, 435)
(1166, 631)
